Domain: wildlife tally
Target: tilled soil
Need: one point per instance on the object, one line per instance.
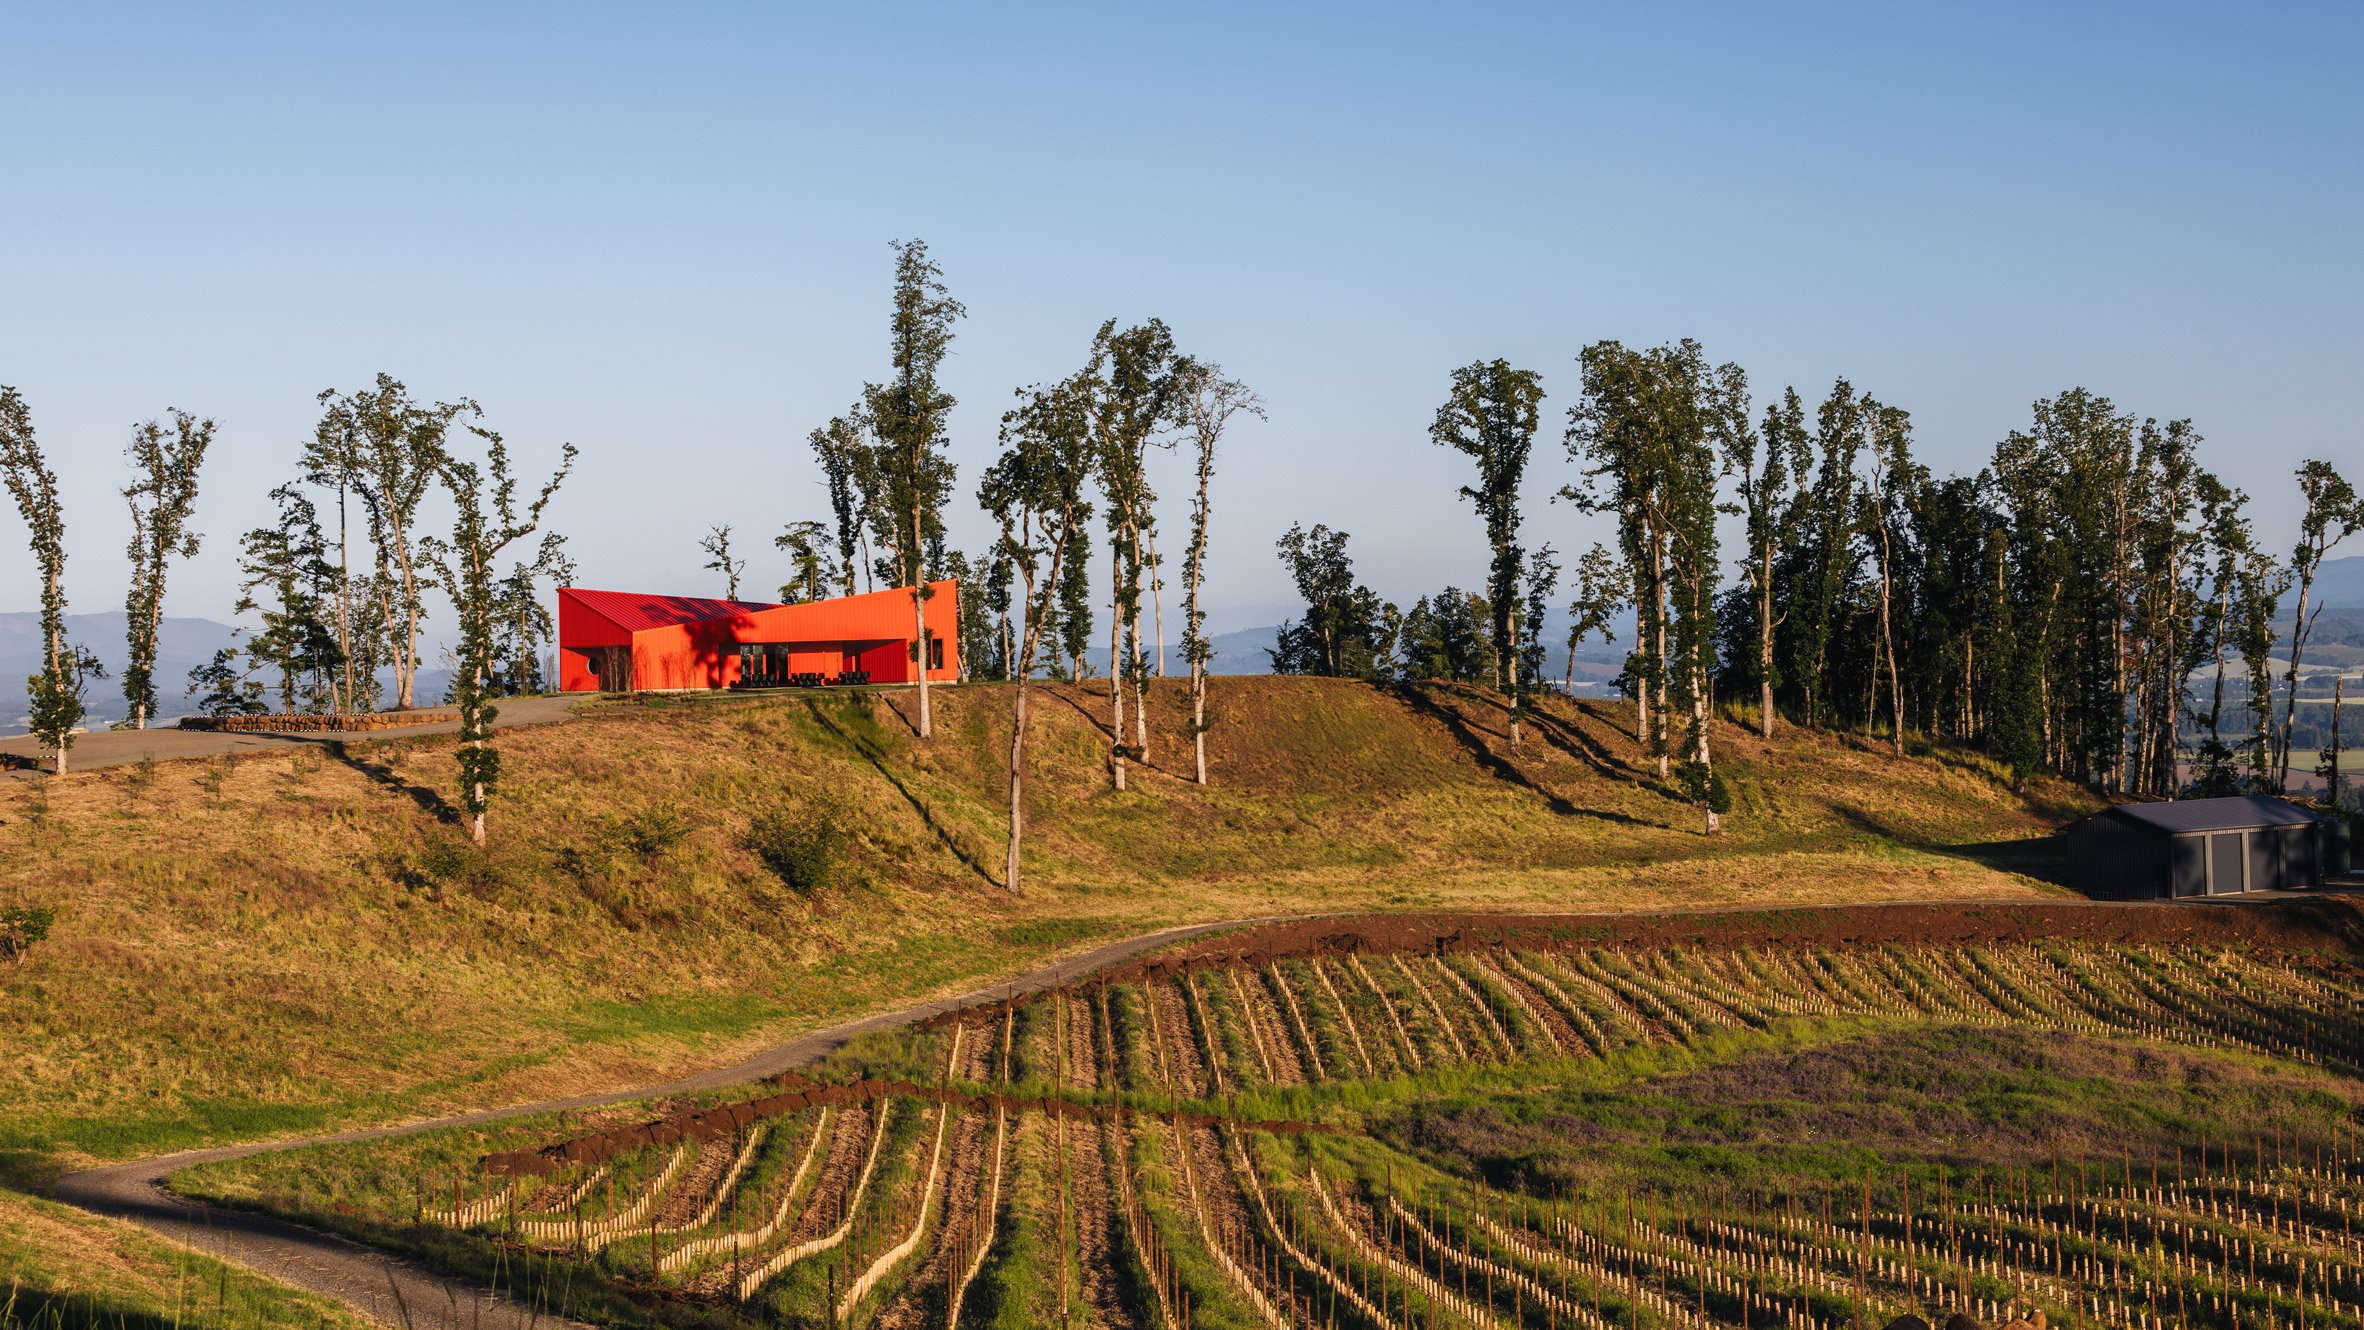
(694, 1185)
(1267, 1028)
(1186, 1071)
(841, 1163)
(1082, 1049)
(2326, 925)
(926, 1294)
(1107, 1292)
(1536, 1007)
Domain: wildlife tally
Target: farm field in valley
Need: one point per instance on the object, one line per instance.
(2116, 1115)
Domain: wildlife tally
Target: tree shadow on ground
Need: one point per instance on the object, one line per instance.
(2044, 858)
(430, 801)
(1422, 701)
(870, 752)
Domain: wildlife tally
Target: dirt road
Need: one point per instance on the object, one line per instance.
(118, 748)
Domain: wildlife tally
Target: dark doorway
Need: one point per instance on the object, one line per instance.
(2187, 865)
(2224, 863)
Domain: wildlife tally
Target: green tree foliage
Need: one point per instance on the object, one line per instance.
(486, 521)
(1447, 637)
(1651, 430)
(286, 577)
(522, 622)
(1774, 500)
(1208, 406)
(978, 633)
(849, 470)
(386, 449)
(1542, 582)
(223, 689)
(2332, 514)
(166, 463)
(56, 692)
(1490, 417)
(1035, 494)
(910, 414)
(22, 928)
(1348, 631)
(1133, 391)
(1603, 590)
(812, 573)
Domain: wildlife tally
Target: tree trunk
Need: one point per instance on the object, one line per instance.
(1157, 598)
(919, 621)
(351, 700)
(1198, 717)
(2298, 647)
(1133, 637)
(1888, 637)
(1116, 663)
(1765, 642)
(1009, 877)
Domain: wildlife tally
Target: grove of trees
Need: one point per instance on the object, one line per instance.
(2093, 602)
(2053, 609)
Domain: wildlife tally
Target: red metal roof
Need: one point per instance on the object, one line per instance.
(635, 612)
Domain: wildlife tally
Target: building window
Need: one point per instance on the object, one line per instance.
(935, 653)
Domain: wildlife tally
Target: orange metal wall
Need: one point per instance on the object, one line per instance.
(876, 627)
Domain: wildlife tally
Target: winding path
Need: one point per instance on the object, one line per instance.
(401, 1294)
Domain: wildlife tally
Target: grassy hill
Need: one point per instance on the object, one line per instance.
(293, 941)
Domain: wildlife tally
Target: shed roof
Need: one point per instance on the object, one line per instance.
(635, 613)
(2231, 814)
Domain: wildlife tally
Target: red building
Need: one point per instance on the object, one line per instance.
(616, 641)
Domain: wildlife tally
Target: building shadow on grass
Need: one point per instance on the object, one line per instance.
(430, 801)
(2044, 858)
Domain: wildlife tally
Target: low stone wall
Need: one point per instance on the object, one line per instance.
(320, 724)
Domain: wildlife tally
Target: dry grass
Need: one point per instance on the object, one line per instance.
(289, 942)
(68, 1270)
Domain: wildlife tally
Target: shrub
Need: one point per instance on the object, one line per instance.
(23, 926)
(652, 831)
(800, 846)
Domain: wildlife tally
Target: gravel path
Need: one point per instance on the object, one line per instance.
(400, 1294)
(120, 748)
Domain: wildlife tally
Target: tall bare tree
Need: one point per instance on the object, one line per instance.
(56, 692)
(1491, 416)
(1888, 443)
(1133, 389)
(1775, 500)
(160, 498)
(716, 545)
(487, 520)
(910, 414)
(391, 448)
(1207, 408)
(2333, 513)
(1035, 493)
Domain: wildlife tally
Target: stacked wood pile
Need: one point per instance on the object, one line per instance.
(317, 724)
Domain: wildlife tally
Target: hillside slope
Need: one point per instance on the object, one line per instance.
(293, 941)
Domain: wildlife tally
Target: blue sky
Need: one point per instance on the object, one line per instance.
(661, 233)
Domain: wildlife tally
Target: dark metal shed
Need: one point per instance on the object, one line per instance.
(2196, 847)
